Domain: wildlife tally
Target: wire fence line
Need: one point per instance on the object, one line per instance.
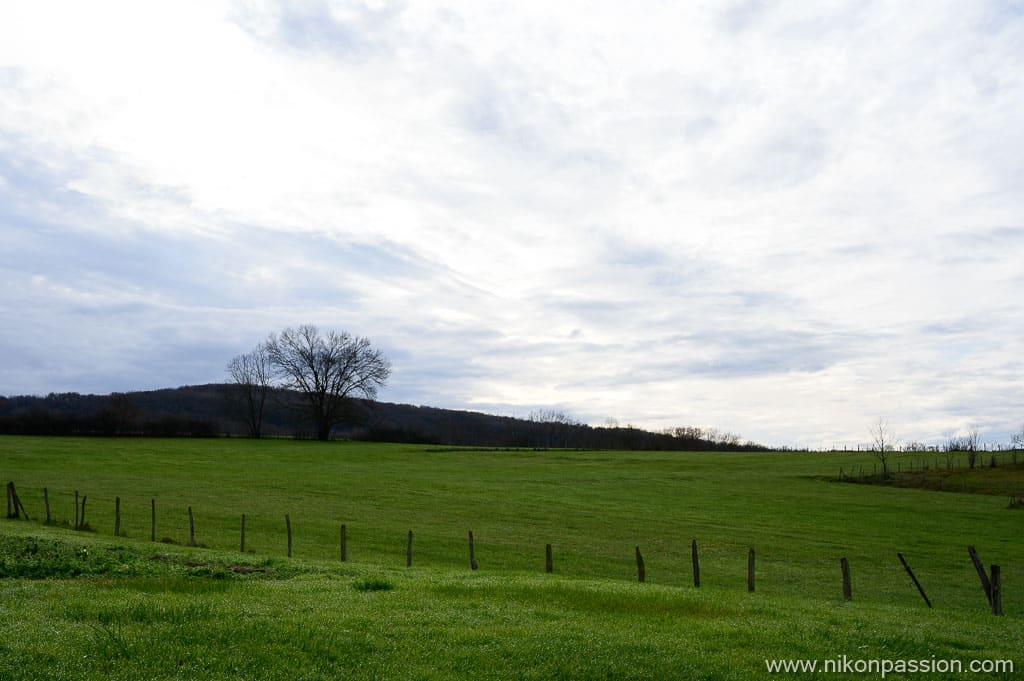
(990, 579)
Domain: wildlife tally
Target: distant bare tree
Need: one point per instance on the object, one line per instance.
(555, 427)
(971, 440)
(1018, 439)
(552, 416)
(721, 437)
(883, 444)
(252, 378)
(967, 444)
(327, 369)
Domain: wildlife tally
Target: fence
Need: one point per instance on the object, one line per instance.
(991, 580)
(948, 472)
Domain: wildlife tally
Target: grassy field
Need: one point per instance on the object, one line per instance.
(111, 611)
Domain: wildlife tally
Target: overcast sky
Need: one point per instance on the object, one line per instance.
(785, 220)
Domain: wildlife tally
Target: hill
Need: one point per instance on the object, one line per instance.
(210, 410)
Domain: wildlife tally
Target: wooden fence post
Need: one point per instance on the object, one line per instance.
(191, 528)
(241, 547)
(472, 555)
(982, 575)
(408, 551)
(750, 570)
(344, 544)
(18, 506)
(288, 526)
(46, 501)
(696, 563)
(641, 573)
(117, 516)
(549, 563)
(847, 588)
(910, 572)
(997, 591)
(152, 522)
(22, 506)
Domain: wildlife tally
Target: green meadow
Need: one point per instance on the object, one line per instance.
(89, 605)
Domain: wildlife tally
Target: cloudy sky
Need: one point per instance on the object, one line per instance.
(786, 220)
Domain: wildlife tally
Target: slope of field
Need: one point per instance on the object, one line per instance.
(508, 619)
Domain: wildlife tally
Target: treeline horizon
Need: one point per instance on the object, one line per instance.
(211, 410)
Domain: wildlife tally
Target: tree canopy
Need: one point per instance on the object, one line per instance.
(328, 369)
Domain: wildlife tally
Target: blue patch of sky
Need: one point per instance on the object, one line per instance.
(312, 27)
(741, 15)
(1000, 16)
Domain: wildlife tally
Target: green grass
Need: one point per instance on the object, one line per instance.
(116, 612)
(1004, 480)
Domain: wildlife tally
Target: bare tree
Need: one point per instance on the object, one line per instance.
(967, 444)
(251, 376)
(973, 440)
(970, 445)
(884, 444)
(328, 370)
(1018, 439)
(555, 427)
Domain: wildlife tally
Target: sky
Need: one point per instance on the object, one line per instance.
(786, 220)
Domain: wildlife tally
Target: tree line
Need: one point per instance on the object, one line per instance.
(212, 411)
(304, 383)
(884, 444)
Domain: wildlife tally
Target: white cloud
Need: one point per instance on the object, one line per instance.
(778, 219)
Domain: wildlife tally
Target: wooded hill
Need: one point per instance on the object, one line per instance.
(212, 410)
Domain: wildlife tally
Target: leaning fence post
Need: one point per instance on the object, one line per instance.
(982, 575)
(13, 494)
(288, 526)
(191, 528)
(22, 506)
(997, 591)
(696, 563)
(549, 564)
(344, 544)
(750, 570)
(117, 516)
(408, 551)
(910, 572)
(46, 501)
(847, 589)
(641, 573)
(472, 555)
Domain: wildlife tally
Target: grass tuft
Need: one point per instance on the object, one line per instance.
(372, 584)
